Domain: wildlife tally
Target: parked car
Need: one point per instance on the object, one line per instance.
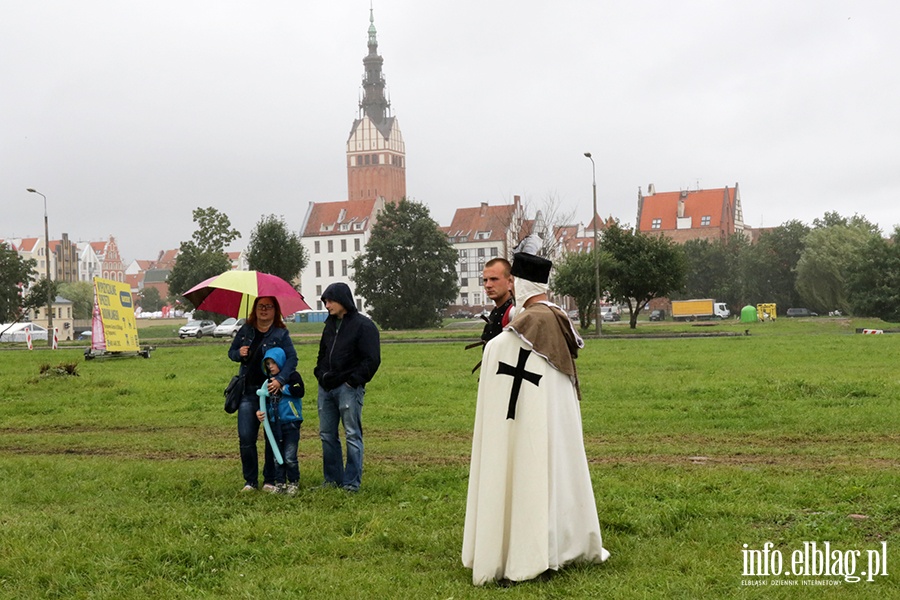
(197, 329)
(461, 314)
(658, 315)
(800, 312)
(611, 316)
(228, 328)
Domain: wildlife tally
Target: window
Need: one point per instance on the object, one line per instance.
(345, 226)
(374, 159)
(493, 251)
(330, 246)
(359, 161)
(318, 269)
(463, 253)
(343, 245)
(331, 268)
(356, 245)
(319, 290)
(465, 298)
(463, 281)
(359, 305)
(704, 221)
(318, 305)
(344, 268)
(316, 247)
(480, 252)
(657, 223)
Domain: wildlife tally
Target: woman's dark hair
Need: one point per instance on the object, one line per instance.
(279, 319)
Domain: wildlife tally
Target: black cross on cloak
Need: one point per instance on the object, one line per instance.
(518, 373)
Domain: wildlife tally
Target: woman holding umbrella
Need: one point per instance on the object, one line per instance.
(264, 329)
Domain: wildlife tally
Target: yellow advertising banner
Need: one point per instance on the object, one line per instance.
(117, 314)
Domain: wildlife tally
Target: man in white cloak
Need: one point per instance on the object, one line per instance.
(530, 505)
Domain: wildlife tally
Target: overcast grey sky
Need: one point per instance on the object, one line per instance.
(128, 115)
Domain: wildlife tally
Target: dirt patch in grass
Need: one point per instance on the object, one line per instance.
(430, 448)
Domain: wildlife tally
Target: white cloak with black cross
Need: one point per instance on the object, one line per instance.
(530, 504)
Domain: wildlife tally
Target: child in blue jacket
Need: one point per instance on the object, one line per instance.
(285, 413)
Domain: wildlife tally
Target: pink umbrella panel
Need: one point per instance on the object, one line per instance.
(232, 293)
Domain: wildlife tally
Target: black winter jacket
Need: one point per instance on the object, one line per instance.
(350, 353)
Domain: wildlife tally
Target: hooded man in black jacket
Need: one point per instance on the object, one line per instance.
(349, 356)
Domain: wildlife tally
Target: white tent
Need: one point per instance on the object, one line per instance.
(17, 332)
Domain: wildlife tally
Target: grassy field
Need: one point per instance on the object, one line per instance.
(123, 482)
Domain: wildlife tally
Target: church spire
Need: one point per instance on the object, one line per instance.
(374, 104)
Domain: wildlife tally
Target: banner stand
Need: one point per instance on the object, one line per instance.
(113, 326)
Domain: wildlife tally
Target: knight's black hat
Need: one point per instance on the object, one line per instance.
(531, 267)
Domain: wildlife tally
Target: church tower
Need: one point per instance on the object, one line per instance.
(376, 155)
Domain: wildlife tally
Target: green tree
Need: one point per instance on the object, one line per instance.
(641, 268)
(575, 277)
(81, 293)
(275, 249)
(36, 298)
(151, 300)
(407, 273)
(15, 273)
(829, 253)
(769, 266)
(873, 283)
(204, 255)
(714, 270)
(214, 231)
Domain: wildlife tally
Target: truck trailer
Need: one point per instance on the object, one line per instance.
(693, 310)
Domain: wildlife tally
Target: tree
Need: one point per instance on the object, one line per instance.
(81, 293)
(204, 255)
(36, 298)
(151, 300)
(214, 231)
(275, 249)
(873, 283)
(407, 273)
(575, 277)
(825, 264)
(714, 270)
(769, 266)
(641, 268)
(15, 273)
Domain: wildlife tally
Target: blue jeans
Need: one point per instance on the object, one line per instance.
(288, 437)
(248, 434)
(342, 404)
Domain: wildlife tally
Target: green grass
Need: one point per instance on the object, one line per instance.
(122, 482)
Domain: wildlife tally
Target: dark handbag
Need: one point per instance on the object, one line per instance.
(233, 394)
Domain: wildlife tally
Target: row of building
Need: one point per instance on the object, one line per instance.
(334, 233)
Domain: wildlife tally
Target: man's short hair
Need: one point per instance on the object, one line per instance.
(500, 261)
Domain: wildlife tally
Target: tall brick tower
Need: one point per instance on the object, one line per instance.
(376, 155)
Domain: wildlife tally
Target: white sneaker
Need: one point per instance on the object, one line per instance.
(248, 488)
(292, 489)
(268, 487)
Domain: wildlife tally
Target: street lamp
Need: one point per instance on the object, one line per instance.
(47, 270)
(597, 325)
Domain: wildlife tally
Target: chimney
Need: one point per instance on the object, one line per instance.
(651, 189)
(484, 206)
(681, 206)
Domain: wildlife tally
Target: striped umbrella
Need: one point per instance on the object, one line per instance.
(232, 293)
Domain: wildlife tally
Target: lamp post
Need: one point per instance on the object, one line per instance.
(597, 326)
(47, 269)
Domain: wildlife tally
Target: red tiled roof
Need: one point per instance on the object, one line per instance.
(27, 244)
(697, 204)
(325, 218)
(491, 220)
